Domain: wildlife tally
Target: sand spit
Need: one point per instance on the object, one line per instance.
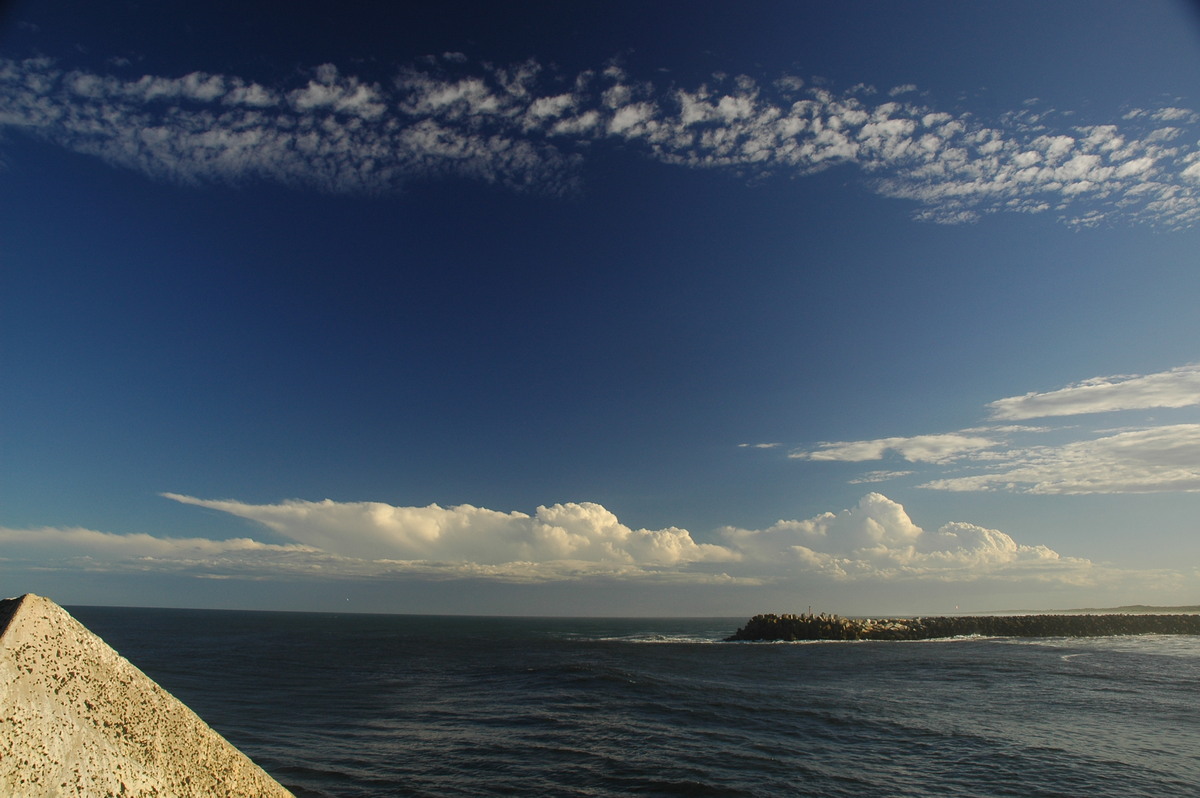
(79, 720)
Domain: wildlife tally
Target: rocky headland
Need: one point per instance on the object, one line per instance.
(808, 626)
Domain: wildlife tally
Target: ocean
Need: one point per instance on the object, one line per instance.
(367, 706)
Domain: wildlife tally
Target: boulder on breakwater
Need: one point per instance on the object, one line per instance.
(77, 718)
(808, 626)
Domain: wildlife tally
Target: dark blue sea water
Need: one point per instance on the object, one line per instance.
(370, 705)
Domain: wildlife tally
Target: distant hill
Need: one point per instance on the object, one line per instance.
(1128, 609)
(1137, 609)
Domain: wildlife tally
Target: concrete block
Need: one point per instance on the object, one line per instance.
(78, 719)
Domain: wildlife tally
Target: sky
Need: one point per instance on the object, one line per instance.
(618, 308)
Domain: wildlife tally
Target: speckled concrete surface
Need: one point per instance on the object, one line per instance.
(79, 720)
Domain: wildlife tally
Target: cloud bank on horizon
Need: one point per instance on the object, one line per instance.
(1149, 457)
(528, 128)
(872, 541)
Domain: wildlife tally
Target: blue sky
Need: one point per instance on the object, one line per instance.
(553, 308)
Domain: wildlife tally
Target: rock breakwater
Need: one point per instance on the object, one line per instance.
(807, 626)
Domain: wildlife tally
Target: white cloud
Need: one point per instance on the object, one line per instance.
(516, 126)
(1154, 460)
(875, 541)
(72, 549)
(344, 95)
(1147, 457)
(1178, 387)
(916, 449)
(336, 132)
(103, 545)
(878, 476)
(568, 532)
(79, 549)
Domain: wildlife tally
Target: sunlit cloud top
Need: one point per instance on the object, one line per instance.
(874, 541)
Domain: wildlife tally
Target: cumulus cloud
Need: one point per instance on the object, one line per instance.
(872, 541)
(585, 532)
(1178, 387)
(526, 127)
(50, 548)
(876, 539)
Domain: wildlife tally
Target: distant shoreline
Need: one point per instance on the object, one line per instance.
(770, 627)
(1128, 609)
(1131, 609)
